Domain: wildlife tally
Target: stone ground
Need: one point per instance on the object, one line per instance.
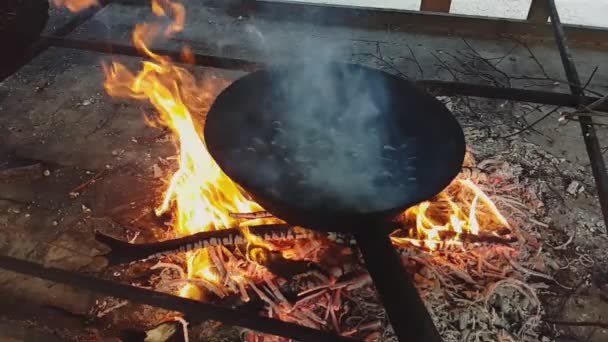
(54, 111)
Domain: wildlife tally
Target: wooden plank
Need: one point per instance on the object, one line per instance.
(436, 5)
(425, 22)
(539, 11)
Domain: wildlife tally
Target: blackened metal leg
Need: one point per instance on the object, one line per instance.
(406, 311)
(194, 310)
(598, 167)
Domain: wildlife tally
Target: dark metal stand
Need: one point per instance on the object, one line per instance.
(194, 310)
(598, 167)
(406, 311)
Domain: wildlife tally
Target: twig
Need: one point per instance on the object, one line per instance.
(528, 127)
(445, 66)
(117, 306)
(182, 274)
(506, 55)
(76, 191)
(251, 216)
(538, 63)
(597, 103)
(415, 60)
(386, 63)
(601, 324)
(184, 324)
(485, 61)
(591, 77)
(565, 244)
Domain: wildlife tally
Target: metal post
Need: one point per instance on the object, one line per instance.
(406, 311)
(598, 167)
(436, 5)
(539, 11)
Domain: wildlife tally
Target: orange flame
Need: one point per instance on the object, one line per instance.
(199, 193)
(463, 208)
(76, 5)
(201, 196)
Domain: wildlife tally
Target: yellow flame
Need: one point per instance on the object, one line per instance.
(199, 194)
(75, 5)
(165, 8)
(462, 208)
(201, 197)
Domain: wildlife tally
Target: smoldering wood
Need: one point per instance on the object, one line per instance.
(124, 252)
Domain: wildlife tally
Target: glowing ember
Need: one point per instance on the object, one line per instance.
(76, 5)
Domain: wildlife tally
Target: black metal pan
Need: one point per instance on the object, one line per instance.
(340, 147)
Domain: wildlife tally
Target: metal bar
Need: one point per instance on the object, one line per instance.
(448, 88)
(426, 22)
(195, 310)
(539, 11)
(439, 88)
(436, 5)
(128, 50)
(598, 166)
(406, 311)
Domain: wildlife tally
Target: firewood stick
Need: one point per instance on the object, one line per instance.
(124, 252)
(447, 236)
(23, 172)
(251, 216)
(195, 310)
(479, 238)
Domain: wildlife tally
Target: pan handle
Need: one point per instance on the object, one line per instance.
(406, 311)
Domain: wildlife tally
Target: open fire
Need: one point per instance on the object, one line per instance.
(76, 5)
(201, 198)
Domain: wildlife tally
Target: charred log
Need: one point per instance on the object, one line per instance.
(124, 252)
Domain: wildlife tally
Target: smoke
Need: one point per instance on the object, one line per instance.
(337, 135)
(324, 135)
(327, 139)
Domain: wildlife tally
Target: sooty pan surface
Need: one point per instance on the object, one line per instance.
(321, 144)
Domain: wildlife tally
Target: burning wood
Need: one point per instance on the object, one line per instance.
(124, 252)
(202, 201)
(251, 216)
(76, 5)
